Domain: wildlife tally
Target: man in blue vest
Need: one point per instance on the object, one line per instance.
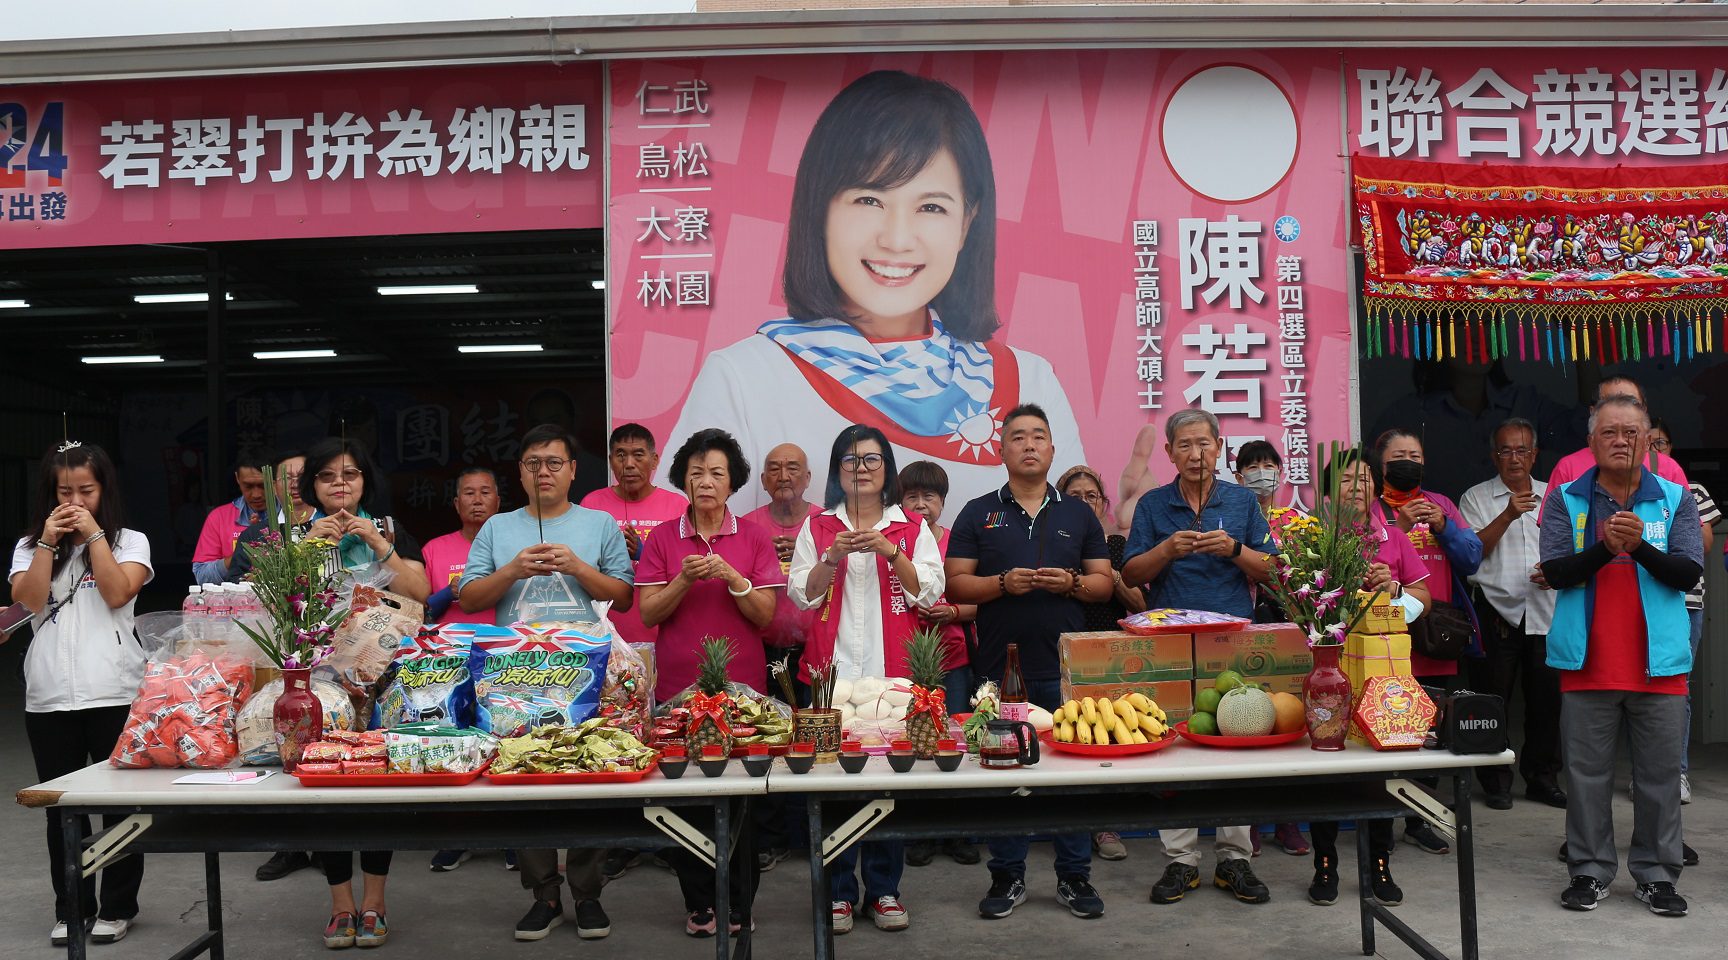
(1622, 547)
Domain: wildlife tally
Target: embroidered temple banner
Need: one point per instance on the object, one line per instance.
(1543, 262)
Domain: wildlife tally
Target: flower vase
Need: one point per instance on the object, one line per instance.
(1326, 696)
(298, 717)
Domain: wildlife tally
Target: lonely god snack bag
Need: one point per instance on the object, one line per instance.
(529, 677)
(433, 681)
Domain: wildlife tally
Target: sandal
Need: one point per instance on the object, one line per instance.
(339, 933)
(373, 930)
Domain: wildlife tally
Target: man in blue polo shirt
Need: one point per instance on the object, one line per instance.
(1029, 557)
(1201, 544)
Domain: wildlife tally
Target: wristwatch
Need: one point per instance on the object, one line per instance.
(1236, 551)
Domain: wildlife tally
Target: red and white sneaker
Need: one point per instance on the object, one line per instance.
(700, 923)
(842, 917)
(889, 914)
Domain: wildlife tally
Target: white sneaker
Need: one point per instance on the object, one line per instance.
(60, 934)
(109, 931)
(1685, 789)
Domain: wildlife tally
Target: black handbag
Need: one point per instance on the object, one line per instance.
(1443, 632)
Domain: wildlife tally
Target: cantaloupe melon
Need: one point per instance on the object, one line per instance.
(1246, 712)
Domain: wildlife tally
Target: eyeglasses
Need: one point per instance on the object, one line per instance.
(1091, 497)
(330, 476)
(854, 464)
(1660, 444)
(554, 464)
(1513, 453)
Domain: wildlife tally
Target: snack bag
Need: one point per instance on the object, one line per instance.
(257, 730)
(371, 635)
(183, 715)
(627, 695)
(433, 681)
(530, 676)
(1172, 620)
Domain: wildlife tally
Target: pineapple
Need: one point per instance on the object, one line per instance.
(711, 680)
(924, 652)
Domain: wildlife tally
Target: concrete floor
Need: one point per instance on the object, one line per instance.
(470, 912)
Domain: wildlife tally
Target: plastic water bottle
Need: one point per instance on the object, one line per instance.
(250, 610)
(194, 615)
(219, 604)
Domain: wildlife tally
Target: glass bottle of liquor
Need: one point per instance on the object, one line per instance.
(1013, 703)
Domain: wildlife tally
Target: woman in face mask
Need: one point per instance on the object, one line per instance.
(1448, 548)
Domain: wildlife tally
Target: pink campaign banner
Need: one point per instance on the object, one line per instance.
(1167, 231)
(1585, 108)
(301, 155)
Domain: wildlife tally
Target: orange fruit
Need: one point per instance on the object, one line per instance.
(1289, 711)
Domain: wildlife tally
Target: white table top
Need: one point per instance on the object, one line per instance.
(1182, 762)
(102, 785)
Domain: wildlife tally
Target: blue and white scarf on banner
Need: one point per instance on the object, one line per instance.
(925, 386)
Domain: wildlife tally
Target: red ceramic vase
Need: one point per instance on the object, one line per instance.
(298, 717)
(1326, 699)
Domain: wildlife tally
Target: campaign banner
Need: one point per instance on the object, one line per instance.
(1597, 107)
(921, 242)
(275, 156)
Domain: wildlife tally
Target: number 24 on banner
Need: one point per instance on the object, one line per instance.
(46, 153)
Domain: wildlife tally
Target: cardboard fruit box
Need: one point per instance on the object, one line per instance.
(1116, 656)
(1261, 651)
(1174, 697)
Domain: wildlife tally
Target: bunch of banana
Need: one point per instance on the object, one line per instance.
(1131, 719)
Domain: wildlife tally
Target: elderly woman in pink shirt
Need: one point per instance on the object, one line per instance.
(707, 575)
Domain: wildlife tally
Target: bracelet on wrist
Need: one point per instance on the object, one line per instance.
(1074, 587)
(1002, 582)
(895, 555)
(94, 537)
(748, 586)
(386, 558)
(51, 548)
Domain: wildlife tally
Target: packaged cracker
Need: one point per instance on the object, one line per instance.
(360, 766)
(402, 751)
(530, 676)
(433, 680)
(324, 751)
(324, 768)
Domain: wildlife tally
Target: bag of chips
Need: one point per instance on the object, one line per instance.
(184, 714)
(530, 676)
(627, 695)
(433, 682)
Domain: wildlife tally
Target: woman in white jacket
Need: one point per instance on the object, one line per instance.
(890, 282)
(79, 569)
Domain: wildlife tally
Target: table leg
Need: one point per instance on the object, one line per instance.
(746, 889)
(1466, 852)
(1364, 887)
(722, 876)
(213, 891)
(72, 873)
(820, 910)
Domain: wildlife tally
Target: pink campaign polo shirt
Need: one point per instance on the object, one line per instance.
(708, 609)
(445, 558)
(221, 531)
(790, 623)
(659, 506)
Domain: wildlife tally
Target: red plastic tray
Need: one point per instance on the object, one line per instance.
(1240, 743)
(548, 779)
(386, 779)
(1106, 750)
